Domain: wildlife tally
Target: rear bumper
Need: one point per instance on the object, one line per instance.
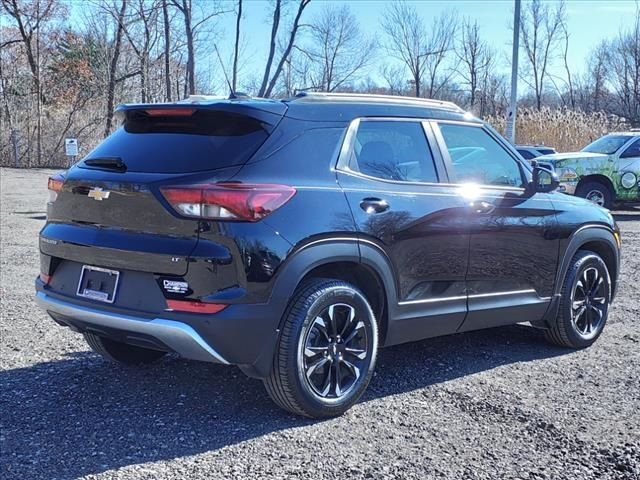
(177, 336)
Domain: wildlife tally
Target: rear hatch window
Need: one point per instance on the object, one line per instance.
(180, 142)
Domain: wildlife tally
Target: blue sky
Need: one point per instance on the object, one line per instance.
(589, 21)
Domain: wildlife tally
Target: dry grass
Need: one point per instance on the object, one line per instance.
(565, 130)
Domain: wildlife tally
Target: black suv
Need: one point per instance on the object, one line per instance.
(294, 238)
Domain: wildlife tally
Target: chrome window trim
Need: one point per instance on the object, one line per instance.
(342, 163)
(427, 184)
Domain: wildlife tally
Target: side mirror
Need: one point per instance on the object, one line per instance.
(544, 179)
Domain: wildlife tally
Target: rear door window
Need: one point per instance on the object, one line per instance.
(393, 150)
(206, 140)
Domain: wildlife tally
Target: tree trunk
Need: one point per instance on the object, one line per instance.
(143, 78)
(237, 47)
(272, 49)
(111, 90)
(191, 62)
(416, 78)
(287, 51)
(167, 46)
(38, 92)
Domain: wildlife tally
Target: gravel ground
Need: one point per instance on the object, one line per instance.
(499, 403)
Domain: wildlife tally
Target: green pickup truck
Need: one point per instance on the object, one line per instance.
(605, 171)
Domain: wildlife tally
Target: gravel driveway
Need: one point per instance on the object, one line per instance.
(498, 403)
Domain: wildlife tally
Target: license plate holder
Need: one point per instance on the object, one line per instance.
(97, 283)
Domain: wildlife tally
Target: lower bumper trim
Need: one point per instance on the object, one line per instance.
(179, 337)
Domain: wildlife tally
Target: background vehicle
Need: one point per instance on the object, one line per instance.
(294, 238)
(529, 152)
(604, 172)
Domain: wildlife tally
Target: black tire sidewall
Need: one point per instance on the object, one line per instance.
(581, 262)
(607, 194)
(301, 318)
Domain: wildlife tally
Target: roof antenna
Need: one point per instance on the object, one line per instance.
(232, 94)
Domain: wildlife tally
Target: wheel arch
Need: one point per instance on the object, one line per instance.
(596, 238)
(360, 262)
(328, 258)
(600, 178)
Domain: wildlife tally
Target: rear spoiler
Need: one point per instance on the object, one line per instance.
(268, 112)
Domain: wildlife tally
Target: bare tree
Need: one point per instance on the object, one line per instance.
(191, 27)
(406, 39)
(142, 33)
(624, 64)
(267, 85)
(597, 76)
(338, 50)
(275, 24)
(395, 79)
(29, 17)
(440, 42)
(565, 57)
(167, 49)
(187, 14)
(422, 51)
(236, 48)
(476, 59)
(540, 31)
(113, 67)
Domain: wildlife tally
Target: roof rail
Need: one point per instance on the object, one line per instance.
(359, 97)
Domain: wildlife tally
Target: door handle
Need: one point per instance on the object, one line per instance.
(482, 207)
(374, 205)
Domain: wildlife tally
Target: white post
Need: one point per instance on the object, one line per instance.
(511, 111)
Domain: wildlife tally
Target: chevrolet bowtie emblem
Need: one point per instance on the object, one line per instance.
(98, 194)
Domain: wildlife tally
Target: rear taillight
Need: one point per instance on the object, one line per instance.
(55, 185)
(228, 201)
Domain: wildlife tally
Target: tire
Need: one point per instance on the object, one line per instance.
(596, 192)
(573, 329)
(329, 337)
(121, 352)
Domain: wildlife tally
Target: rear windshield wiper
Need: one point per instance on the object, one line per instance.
(108, 163)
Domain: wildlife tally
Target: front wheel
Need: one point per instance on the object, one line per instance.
(327, 350)
(584, 305)
(596, 192)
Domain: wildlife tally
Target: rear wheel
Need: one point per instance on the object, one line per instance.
(326, 352)
(596, 192)
(121, 352)
(586, 293)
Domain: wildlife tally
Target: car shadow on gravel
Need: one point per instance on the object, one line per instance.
(82, 415)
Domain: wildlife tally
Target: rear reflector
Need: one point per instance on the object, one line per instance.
(228, 201)
(45, 278)
(55, 185)
(195, 307)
